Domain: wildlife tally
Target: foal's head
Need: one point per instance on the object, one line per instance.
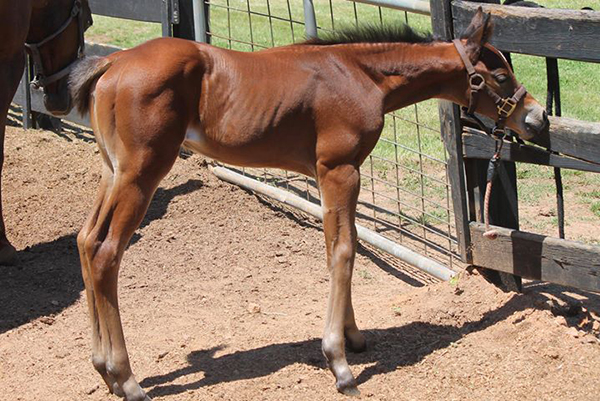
(528, 118)
(55, 41)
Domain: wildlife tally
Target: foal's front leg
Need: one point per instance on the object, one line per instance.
(339, 188)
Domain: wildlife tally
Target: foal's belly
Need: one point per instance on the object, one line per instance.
(265, 151)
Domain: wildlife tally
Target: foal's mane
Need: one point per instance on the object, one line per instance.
(370, 33)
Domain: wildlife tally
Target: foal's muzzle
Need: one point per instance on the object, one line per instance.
(536, 122)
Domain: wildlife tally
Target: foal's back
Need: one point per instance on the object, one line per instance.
(253, 109)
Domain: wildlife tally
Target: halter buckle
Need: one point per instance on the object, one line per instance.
(506, 107)
(477, 82)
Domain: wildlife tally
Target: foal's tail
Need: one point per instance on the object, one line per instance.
(82, 77)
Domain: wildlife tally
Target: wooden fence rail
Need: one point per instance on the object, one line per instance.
(538, 31)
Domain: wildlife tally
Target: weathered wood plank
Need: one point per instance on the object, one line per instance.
(572, 137)
(477, 145)
(140, 10)
(539, 31)
(538, 257)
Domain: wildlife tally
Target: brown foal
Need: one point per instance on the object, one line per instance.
(315, 108)
(52, 32)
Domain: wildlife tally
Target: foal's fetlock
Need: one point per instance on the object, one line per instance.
(100, 366)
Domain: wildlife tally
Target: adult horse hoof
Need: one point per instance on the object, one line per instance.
(8, 254)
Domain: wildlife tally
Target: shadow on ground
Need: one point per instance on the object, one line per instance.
(388, 349)
(47, 277)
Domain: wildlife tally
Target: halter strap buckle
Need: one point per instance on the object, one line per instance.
(506, 107)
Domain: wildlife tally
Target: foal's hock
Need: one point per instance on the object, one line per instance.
(316, 108)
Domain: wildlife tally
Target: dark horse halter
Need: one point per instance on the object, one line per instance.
(506, 106)
(41, 79)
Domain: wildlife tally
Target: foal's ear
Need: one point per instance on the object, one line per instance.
(477, 34)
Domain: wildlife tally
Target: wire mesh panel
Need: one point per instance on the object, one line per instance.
(405, 191)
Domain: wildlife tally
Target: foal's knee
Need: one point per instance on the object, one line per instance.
(342, 260)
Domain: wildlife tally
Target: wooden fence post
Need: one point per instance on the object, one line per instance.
(185, 17)
(26, 97)
(467, 198)
(451, 130)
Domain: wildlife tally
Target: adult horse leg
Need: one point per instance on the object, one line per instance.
(119, 214)
(11, 69)
(340, 186)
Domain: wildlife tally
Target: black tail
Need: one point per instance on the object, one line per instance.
(82, 77)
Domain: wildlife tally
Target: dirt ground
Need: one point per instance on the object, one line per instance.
(222, 295)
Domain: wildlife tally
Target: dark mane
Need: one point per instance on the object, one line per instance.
(372, 34)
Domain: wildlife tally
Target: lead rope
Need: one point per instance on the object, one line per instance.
(492, 171)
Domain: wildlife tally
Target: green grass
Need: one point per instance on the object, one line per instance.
(120, 32)
(580, 91)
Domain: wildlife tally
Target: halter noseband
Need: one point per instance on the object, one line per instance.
(41, 80)
(505, 106)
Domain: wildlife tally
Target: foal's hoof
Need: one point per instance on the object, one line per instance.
(348, 387)
(8, 254)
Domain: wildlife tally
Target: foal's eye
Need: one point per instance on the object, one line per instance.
(501, 78)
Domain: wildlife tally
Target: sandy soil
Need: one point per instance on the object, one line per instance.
(223, 293)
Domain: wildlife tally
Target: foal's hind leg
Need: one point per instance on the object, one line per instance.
(98, 358)
(339, 189)
(119, 216)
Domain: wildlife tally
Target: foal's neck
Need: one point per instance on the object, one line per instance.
(410, 73)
